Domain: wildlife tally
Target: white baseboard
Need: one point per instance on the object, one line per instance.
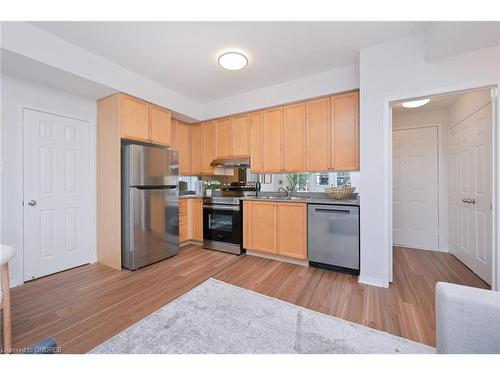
(416, 248)
(373, 281)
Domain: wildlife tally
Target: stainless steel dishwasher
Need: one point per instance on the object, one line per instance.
(333, 237)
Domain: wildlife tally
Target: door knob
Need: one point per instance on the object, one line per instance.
(473, 201)
(32, 202)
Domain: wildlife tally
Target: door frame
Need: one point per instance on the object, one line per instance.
(387, 178)
(92, 254)
(439, 168)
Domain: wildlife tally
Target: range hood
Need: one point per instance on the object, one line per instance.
(237, 162)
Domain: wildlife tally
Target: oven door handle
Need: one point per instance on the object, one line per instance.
(222, 207)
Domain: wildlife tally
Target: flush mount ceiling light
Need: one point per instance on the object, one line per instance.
(232, 61)
(416, 103)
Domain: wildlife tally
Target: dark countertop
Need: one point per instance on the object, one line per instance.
(309, 200)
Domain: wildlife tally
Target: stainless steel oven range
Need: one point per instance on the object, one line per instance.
(222, 218)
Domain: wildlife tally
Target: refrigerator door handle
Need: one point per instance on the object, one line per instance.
(155, 187)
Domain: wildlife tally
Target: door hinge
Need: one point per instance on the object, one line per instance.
(22, 203)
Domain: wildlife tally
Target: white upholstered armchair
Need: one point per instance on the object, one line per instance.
(467, 319)
(6, 254)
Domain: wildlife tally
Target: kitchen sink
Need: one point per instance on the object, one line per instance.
(284, 198)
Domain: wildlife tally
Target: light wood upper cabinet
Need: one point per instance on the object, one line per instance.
(134, 118)
(240, 135)
(273, 140)
(318, 135)
(197, 219)
(292, 230)
(160, 126)
(294, 136)
(275, 228)
(197, 150)
(223, 138)
(208, 147)
(345, 132)
(173, 134)
(257, 142)
(183, 133)
(145, 122)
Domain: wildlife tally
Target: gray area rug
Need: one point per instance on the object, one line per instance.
(216, 317)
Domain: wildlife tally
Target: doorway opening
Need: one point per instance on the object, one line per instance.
(442, 185)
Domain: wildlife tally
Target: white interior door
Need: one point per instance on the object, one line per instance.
(56, 193)
(470, 193)
(415, 188)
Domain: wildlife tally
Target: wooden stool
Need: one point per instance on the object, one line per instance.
(6, 254)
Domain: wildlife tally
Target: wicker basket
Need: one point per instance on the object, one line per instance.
(340, 192)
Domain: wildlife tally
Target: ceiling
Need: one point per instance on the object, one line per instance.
(182, 56)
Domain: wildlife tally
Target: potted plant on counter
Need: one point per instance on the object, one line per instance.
(211, 186)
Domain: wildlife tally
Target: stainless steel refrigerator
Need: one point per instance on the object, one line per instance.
(150, 204)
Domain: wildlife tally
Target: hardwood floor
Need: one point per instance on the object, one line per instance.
(85, 306)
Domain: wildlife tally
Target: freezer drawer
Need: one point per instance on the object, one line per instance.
(150, 226)
(333, 236)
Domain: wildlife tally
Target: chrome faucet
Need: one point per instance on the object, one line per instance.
(286, 190)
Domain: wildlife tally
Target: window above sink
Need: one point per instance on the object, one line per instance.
(309, 182)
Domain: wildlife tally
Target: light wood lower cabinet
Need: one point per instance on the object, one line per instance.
(292, 230)
(261, 227)
(275, 228)
(190, 219)
(184, 208)
(198, 219)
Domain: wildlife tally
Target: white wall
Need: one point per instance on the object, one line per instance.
(325, 83)
(15, 94)
(437, 118)
(395, 71)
